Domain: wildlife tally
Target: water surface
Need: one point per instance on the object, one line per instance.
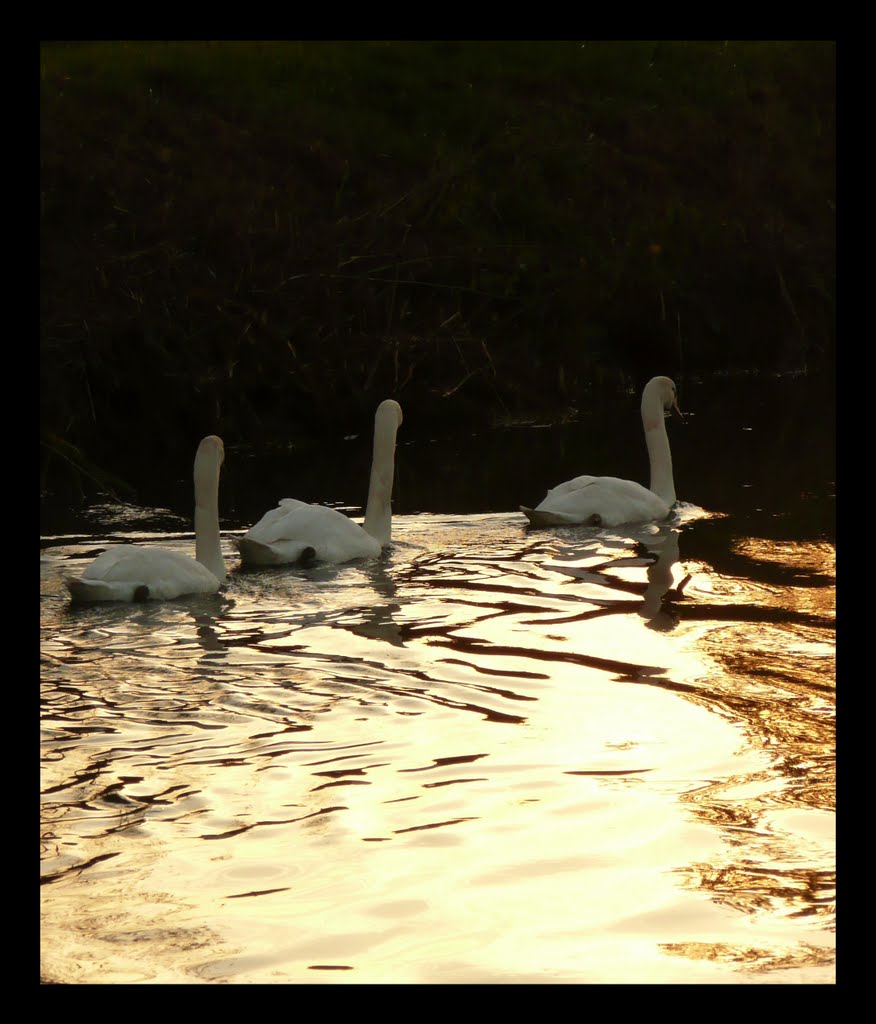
(492, 755)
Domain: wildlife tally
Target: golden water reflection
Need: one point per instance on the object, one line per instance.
(492, 756)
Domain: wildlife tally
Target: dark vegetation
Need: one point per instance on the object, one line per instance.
(263, 240)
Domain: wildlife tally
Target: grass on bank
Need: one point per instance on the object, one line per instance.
(254, 237)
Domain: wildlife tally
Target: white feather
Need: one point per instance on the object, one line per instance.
(134, 572)
(295, 531)
(609, 500)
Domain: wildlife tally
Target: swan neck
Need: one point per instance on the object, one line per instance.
(659, 455)
(208, 541)
(378, 510)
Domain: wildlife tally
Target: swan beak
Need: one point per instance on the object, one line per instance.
(675, 409)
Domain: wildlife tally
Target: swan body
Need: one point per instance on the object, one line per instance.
(296, 532)
(135, 572)
(608, 500)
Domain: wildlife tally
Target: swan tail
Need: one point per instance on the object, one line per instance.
(88, 591)
(307, 559)
(254, 552)
(541, 517)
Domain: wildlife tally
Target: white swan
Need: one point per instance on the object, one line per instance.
(133, 572)
(608, 500)
(296, 532)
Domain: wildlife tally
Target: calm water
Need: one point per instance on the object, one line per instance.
(493, 755)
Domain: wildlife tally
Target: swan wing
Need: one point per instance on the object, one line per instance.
(132, 572)
(284, 534)
(600, 501)
(542, 517)
(570, 486)
(274, 520)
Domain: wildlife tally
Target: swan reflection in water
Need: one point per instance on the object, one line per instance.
(658, 604)
(359, 597)
(654, 547)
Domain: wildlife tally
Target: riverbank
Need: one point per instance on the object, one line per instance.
(264, 239)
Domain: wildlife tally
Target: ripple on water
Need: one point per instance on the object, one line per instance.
(491, 754)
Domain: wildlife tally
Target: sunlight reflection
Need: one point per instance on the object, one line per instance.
(487, 747)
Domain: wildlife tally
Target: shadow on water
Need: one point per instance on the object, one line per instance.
(493, 754)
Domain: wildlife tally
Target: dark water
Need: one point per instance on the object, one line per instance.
(492, 755)
(762, 450)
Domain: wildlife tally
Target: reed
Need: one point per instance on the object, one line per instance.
(259, 238)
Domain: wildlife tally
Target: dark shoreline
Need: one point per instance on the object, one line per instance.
(263, 240)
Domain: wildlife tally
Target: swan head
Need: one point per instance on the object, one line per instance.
(660, 393)
(389, 411)
(211, 451)
(208, 461)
